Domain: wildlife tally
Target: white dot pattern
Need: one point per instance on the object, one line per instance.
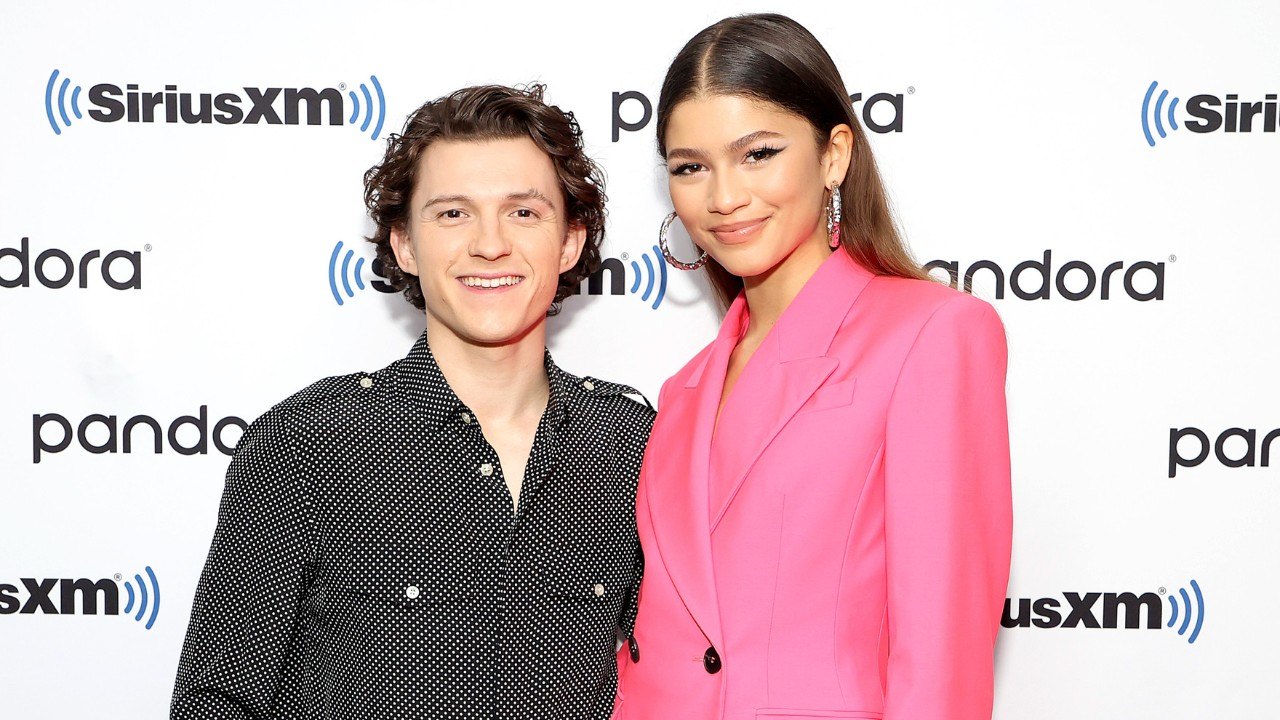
(363, 568)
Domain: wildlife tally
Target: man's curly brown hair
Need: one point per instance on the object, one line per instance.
(487, 112)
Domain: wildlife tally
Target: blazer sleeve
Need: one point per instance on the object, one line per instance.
(948, 516)
(246, 605)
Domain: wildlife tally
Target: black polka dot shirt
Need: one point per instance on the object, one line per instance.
(367, 562)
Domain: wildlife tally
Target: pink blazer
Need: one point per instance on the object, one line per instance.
(842, 551)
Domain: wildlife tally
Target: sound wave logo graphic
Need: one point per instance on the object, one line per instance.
(146, 597)
(1187, 610)
(1154, 116)
(654, 274)
(345, 273)
(370, 108)
(61, 103)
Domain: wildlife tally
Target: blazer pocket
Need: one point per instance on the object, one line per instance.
(828, 397)
(790, 713)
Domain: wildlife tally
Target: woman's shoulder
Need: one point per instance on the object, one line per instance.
(916, 301)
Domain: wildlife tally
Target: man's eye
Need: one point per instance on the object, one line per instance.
(451, 214)
(525, 213)
(686, 169)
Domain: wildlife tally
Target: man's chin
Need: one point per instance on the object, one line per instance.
(496, 335)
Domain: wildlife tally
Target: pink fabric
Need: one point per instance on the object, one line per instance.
(855, 559)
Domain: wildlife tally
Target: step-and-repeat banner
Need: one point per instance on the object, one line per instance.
(181, 228)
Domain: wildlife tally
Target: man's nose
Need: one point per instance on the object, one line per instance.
(489, 241)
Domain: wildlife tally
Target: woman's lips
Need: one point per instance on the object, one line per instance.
(739, 232)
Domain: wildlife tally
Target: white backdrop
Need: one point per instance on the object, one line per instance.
(1022, 132)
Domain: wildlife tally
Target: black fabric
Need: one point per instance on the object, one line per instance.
(367, 562)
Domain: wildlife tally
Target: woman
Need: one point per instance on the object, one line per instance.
(824, 507)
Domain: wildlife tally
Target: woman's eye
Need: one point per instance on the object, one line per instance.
(762, 154)
(686, 169)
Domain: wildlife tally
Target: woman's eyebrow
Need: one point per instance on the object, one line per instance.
(732, 148)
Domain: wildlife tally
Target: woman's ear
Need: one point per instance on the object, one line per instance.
(838, 154)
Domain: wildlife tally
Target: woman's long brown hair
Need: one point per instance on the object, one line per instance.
(773, 58)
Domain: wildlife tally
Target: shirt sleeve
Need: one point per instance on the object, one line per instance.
(948, 516)
(244, 618)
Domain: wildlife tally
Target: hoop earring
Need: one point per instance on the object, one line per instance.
(834, 217)
(671, 259)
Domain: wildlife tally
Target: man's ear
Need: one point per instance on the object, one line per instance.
(571, 249)
(402, 246)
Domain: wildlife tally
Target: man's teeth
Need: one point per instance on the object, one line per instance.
(491, 282)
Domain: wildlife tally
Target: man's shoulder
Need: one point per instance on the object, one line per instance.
(622, 403)
(352, 391)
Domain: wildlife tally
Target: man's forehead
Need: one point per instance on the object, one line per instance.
(486, 169)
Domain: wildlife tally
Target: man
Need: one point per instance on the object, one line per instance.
(452, 536)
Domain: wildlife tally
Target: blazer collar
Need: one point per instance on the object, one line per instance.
(809, 324)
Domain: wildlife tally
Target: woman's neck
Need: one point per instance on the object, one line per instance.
(770, 293)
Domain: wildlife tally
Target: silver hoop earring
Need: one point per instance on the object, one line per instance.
(671, 259)
(834, 217)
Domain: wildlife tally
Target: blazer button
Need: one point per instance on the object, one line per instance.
(711, 660)
(633, 648)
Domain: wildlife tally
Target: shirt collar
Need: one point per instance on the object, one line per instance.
(421, 380)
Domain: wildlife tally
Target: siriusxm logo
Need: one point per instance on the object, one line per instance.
(1248, 451)
(1209, 113)
(880, 112)
(246, 106)
(350, 275)
(142, 604)
(652, 275)
(99, 433)
(1124, 609)
(1073, 280)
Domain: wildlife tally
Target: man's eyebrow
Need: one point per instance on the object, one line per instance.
(733, 147)
(446, 199)
(530, 194)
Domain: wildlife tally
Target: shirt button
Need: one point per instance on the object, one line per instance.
(598, 590)
(366, 382)
(411, 592)
(486, 469)
(466, 418)
(588, 385)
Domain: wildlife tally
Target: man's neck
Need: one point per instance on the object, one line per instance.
(499, 383)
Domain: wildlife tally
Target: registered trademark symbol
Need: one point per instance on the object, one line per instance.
(147, 247)
(911, 89)
(342, 86)
(117, 577)
(1161, 591)
(1173, 258)
(625, 256)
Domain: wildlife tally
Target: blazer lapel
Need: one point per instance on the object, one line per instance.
(679, 450)
(680, 454)
(788, 367)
